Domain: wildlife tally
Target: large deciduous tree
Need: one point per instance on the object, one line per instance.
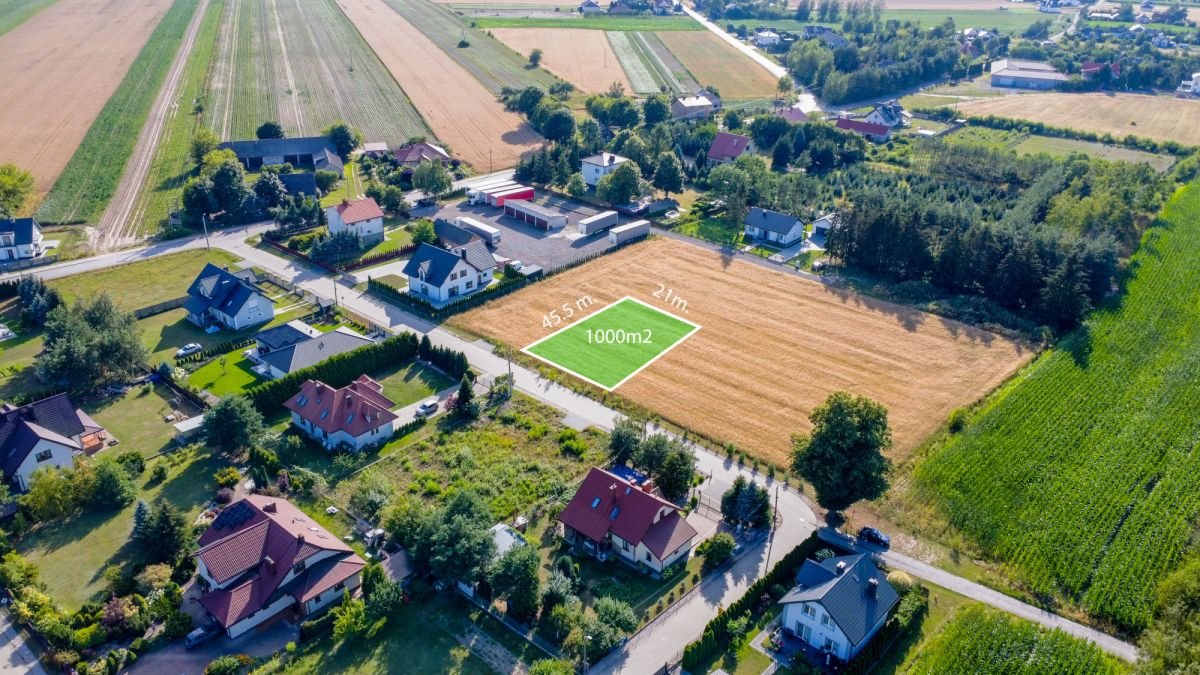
(431, 178)
(232, 424)
(620, 186)
(90, 344)
(668, 174)
(515, 578)
(16, 185)
(269, 130)
(843, 457)
(345, 138)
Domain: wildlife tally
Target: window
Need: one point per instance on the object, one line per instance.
(625, 544)
(341, 585)
(470, 284)
(809, 610)
(648, 559)
(44, 455)
(616, 510)
(595, 502)
(825, 621)
(298, 567)
(828, 644)
(806, 633)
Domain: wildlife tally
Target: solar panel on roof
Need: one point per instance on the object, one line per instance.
(233, 516)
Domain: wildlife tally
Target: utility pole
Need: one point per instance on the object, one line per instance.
(204, 221)
(774, 515)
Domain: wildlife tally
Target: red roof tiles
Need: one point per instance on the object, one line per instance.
(727, 146)
(865, 128)
(359, 210)
(607, 503)
(356, 408)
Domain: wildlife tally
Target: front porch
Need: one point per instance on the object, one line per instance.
(785, 648)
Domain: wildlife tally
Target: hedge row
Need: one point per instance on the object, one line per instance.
(427, 310)
(317, 627)
(217, 350)
(375, 258)
(452, 362)
(8, 289)
(887, 636)
(279, 233)
(716, 634)
(1038, 128)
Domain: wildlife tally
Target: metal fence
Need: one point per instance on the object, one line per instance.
(28, 263)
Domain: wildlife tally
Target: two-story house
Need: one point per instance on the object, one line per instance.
(262, 556)
(361, 217)
(838, 604)
(598, 166)
(439, 275)
(353, 417)
(20, 238)
(228, 299)
(45, 433)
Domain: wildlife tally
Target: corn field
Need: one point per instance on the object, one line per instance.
(1082, 473)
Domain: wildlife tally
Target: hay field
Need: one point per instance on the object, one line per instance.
(771, 346)
(459, 110)
(60, 68)
(582, 57)
(1161, 118)
(714, 62)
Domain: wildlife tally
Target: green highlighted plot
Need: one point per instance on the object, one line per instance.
(613, 344)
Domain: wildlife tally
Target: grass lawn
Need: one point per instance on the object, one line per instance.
(992, 139)
(612, 345)
(943, 605)
(350, 187)
(143, 283)
(394, 280)
(1061, 147)
(393, 239)
(411, 382)
(137, 419)
(226, 375)
(746, 660)
(711, 229)
(72, 555)
(805, 260)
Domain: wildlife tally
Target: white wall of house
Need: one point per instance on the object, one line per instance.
(10, 250)
(370, 231)
(260, 616)
(592, 173)
(463, 280)
(257, 309)
(331, 595)
(52, 454)
(792, 236)
(812, 623)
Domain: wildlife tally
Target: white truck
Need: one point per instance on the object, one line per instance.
(628, 232)
(598, 222)
(490, 234)
(478, 194)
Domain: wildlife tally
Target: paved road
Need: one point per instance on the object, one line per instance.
(15, 655)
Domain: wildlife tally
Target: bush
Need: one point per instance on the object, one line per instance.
(90, 636)
(229, 664)
(716, 550)
(224, 495)
(227, 477)
(957, 420)
(316, 627)
(133, 462)
(159, 473)
(178, 624)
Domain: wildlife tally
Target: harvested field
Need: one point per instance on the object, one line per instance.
(1161, 118)
(274, 63)
(771, 346)
(461, 112)
(714, 62)
(649, 64)
(14, 12)
(583, 58)
(54, 91)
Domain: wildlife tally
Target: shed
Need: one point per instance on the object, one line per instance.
(188, 429)
(534, 214)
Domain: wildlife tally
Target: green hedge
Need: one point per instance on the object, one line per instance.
(218, 350)
(316, 627)
(1129, 141)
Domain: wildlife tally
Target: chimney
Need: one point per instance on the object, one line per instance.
(270, 562)
(300, 538)
(841, 567)
(648, 487)
(270, 507)
(872, 587)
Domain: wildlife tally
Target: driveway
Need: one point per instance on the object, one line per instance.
(16, 656)
(175, 658)
(530, 245)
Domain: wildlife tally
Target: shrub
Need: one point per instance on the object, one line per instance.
(159, 473)
(90, 636)
(224, 495)
(716, 550)
(227, 477)
(133, 462)
(229, 664)
(957, 420)
(178, 624)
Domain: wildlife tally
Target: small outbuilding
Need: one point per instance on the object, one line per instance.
(534, 214)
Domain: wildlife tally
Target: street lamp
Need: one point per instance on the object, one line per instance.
(587, 639)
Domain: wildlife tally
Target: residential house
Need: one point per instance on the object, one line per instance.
(228, 299)
(766, 39)
(664, 7)
(611, 516)
(300, 183)
(838, 604)
(362, 217)
(452, 237)
(792, 114)
(875, 132)
(1190, 87)
(590, 7)
(777, 228)
(1025, 74)
(49, 432)
(351, 418)
(21, 238)
(890, 114)
(833, 40)
(300, 355)
(413, 154)
(727, 147)
(375, 150)
(620, 8)
(283, 336)
(318, 152)
(598, 166)
(697, 106)
(262, 557)
(438, 275)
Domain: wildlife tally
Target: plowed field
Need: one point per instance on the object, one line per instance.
(1162, 118)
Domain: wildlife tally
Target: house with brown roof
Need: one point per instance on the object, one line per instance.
(362, 217)
(610, 516)
(350, 418)
(727, 147)
(413, 154)
(262, 557)
(874, 132)
(45, 433)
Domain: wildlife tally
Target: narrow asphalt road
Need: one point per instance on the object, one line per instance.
(16, 656)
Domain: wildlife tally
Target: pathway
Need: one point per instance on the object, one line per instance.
(16, 656)
(491, 652)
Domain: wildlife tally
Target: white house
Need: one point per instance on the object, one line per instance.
(598, 166)
(21, 238)
(701, 104)
(438, 275)
(45, 433)
(590, 7)
(228, 299)
(838, 604)
(353, 417)
(766, 39)
(889, 114)
(773, 227)
(362, 217)
(262, 556)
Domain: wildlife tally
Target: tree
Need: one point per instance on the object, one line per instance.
(269, 130)
(733, 120)
(620, 186)
(558, 125)
(204, 141)
(141, 518)
(326, 179)
(422, 232)
(269, 190)
(90, 344)
(165, 535)
(668, 174)
(51, 495)
(535, 58)
(464, 401)
(623, 443)
(656, 109)
(716, 550)
(843, 458)
(16, 185)
(552, 667)
(785, 85)
(781, 155)
(461, 545)
(678, 469)
(1172, 643)
(651, 453)
(111, 488)
(231, 424)
(349, 618)
(515, 578)
(575, 185)
(616, 614)
(746, 503)
(432, 178)
(345, 138)
(731, 184)
(1064, 300)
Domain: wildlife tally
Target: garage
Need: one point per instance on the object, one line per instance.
(532, 214)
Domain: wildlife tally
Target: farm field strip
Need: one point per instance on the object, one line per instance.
(462, 113)
(1061, 147)
(712, 61)
(275, 62)
(1093, 498)
(57, 90)
(666, 63)
(642, 79)
(586, 59)
(762, 357)
(1161, 118)
(593, 22)
(14, 12)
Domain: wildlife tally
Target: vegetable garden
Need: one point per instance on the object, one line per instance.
(1081, 473)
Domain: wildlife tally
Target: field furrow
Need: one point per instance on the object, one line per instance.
(714, 63)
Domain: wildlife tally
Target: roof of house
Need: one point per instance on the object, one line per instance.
(433, 265)
(280, 147)
(772, 221)
(1033, 70)
(23, 229)
(375, 147)
(605, 159)
(356, 408)
(607, 503)
(728, 146)
(219, 289)
(254, 543)
(286, 335)
(299, 183)
(53, 419)
(358, 210)
(694, 102)
(311, 352)
(890, 112)
(845, 594)
(859, 126)
(792, 114)
(453, 236)
(419, 152)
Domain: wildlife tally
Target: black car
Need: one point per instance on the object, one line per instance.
(874, 536)
(201, 635)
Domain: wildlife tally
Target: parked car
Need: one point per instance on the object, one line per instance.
(427, 407)
(874, 536)
(201, 635)
(189, 348)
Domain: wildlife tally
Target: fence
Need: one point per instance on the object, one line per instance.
(159, 308)
(368, 260)
(301, 256)
(28, 263)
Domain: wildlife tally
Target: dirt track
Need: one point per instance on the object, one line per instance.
(771, 347)
(1162, 118)
(582, 57)
(459, 110)
(59, 69)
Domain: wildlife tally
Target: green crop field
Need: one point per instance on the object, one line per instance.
(1026, 144)
(647, 72)
(982, 640)
(1012, 20)
(304, 65)
(13, 13)
(596, 22)
(613, 344)
(1081, 474)
(89, 180)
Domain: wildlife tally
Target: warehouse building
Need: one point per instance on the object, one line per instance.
(532, 214)
(1025, 74)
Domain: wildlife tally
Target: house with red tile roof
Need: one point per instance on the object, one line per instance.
(362, 217)
(610, 516)
(262, 558)
(350, 418)
(727, 147)
(875, 132)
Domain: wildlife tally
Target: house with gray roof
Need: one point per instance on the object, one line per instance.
(45, 433)
(228, 299)
(318, 152)
(451, 236)
(438, 275)
(289, 359)
(773, 227)
(838, 604)
(300, 183)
